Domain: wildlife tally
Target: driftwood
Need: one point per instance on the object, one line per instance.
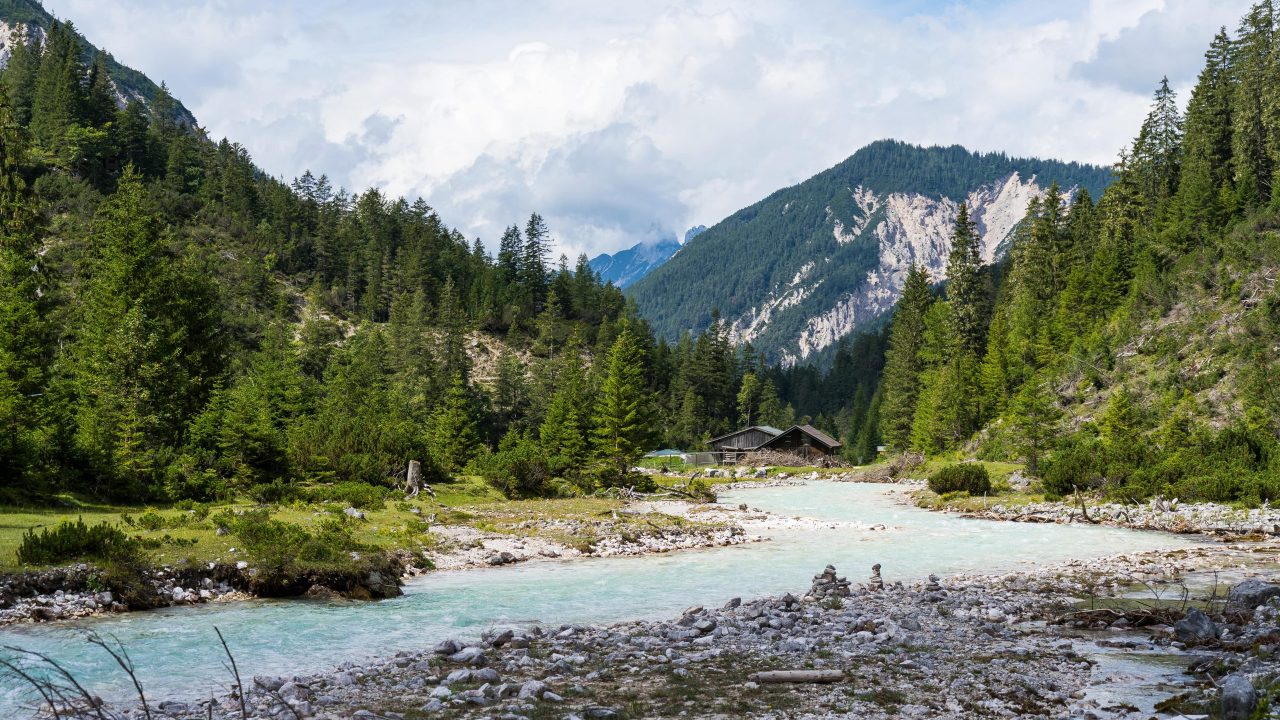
(798, 676)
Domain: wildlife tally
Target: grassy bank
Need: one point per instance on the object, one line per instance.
(188, 535)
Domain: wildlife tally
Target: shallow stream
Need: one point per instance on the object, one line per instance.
(177, 654)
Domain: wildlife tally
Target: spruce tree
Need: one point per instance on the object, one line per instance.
(1035, 420)
(1206, 167)
(451, 431)
(149, 347)
(903, 362)
(621, 415)
(967, 287)
(1251, 141)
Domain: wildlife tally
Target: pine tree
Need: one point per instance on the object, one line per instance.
(59, 100)
(451, 432)
(748, 399)
(1035, 422)
(149, 348)
(621, 416)
(100, 102)
(1250, 138)
(20, 74)
(533, 260)
(1157, 152)
(23, 328)
(1206, 168)
(967, 287)
(903, 362)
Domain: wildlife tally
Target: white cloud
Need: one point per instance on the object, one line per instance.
(621, 122)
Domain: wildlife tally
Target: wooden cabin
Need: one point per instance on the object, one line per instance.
(806, 441)
(803, 440)
(748, 438)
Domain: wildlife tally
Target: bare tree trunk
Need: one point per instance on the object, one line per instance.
(413, 480)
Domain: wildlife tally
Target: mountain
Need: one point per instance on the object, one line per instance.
(809, 264)
(30, 18)
(628, 266)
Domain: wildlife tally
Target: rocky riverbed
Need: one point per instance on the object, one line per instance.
(1015, 645)
(1155, 514)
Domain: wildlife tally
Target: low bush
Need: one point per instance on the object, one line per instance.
(74, 541)
(351, 494)
(275, 492)
(519, 468)
(972, 478)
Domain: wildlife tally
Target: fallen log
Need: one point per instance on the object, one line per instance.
(797, 676)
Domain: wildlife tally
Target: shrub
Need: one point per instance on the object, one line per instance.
(274, 492)
(71, 541)
(278, 546)
(1078, 465)
(519, 468)
(351, 494)
(967, 477)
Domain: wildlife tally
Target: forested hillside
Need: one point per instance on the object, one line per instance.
(175, 324)
(814, 262)
(1132, 344)
(32, 23)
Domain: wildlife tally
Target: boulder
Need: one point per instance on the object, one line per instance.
(1195, 628)
(353, 513)
(447, 647)
(473, 656)
(1249, 594)
(532, 690)
(268, 682)
(1238, 697)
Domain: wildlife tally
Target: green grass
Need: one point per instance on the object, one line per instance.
(467, 501)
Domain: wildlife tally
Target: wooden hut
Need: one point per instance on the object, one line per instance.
(739, 442)
(806, 441)
(802, 440)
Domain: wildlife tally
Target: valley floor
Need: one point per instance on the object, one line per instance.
(1041, 643)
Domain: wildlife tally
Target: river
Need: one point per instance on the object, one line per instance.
(177, 654)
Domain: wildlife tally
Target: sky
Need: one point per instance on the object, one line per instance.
(623, 122)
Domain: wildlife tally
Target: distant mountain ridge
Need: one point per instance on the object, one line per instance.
(811, 263)
(627, 266)
(31, 17)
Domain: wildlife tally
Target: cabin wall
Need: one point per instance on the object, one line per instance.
(743, 441)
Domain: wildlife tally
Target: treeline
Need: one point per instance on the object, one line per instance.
(176, 324)
(1060, 357)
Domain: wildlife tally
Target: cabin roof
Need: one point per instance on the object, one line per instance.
(766, 429)
(812, 432)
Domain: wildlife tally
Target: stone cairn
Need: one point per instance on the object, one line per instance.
(827, 585)
(875, 582)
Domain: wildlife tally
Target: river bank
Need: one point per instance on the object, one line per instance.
(1210, 519)
(1012, 644)
(630, 529)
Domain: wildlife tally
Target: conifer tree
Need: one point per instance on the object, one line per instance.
(903, 361)
(1251, 64)
(967, 290)
(1206, 168)
(451, 431)
(23, 329)
(621, 416)
(1035, 421)
(149, 346)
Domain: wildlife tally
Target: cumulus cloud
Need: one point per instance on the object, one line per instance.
(627, 122)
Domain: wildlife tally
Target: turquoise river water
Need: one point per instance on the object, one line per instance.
(176, 653)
